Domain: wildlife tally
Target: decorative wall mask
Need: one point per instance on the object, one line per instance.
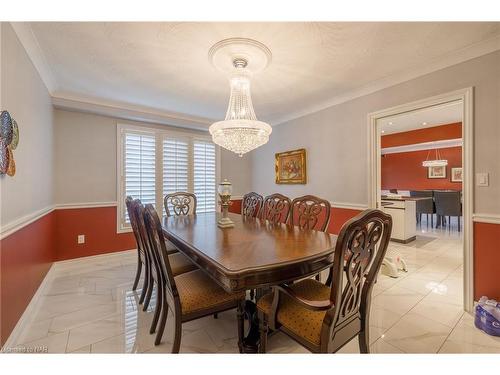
(9, 139)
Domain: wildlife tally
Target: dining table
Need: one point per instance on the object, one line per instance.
(254, 254)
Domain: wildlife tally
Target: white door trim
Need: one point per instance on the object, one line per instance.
(374, 175)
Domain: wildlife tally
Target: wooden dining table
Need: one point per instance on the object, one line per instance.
(254, 254)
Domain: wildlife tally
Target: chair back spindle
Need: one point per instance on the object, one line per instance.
(310, 212)
(276, 208)
(251, 204)
(180, 203)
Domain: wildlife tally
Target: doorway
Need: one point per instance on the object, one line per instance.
(379, 121)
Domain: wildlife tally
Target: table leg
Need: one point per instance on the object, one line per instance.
(252, 337)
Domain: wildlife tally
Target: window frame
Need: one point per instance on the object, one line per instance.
(159, 134)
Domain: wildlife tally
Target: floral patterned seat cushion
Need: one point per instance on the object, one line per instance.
(297, 319)
(198, 292)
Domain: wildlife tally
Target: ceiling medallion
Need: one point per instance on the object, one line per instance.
(240, 58)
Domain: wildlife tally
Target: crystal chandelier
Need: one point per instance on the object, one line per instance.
(239, 58)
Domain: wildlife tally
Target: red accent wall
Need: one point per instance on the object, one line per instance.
(26, 257)
(435, 133)
(27, 254)
(235, 206)
(486, 261)
(99, 227)
(404, 170)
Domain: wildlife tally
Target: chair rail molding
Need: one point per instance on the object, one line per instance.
(17, 224)
(465, 96)
(486, 218)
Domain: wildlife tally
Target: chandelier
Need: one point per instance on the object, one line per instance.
(240, 131)
(438, 162)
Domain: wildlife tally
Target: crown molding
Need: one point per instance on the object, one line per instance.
(453, 58)
(132, 112)
(30, 43)
(434, 145)
(126, 111)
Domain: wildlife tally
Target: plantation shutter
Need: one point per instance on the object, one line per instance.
(140, 176)
(204, 175)
(175, 165)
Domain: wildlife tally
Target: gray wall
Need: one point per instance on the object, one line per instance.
(25, 96)
(85, 159)
(336, 138)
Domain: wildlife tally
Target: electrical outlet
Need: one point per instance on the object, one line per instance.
(81, 239)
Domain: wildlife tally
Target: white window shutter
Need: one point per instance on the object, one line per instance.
(204, 175)
(175, 165)
(139, 165)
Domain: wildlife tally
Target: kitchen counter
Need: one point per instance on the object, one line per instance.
(403, 212)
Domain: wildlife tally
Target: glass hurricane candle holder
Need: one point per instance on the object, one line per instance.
(225, 190)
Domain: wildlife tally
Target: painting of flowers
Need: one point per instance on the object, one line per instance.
(291, 167)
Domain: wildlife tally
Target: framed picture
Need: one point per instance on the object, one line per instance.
(291, 167)
(436, 172)
(456, 174)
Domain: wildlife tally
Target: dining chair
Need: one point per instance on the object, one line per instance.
(310, 212)
(324, 318)
(180, 263)
(251, 204)
(180, 203)
(276, 208)
(192, 295)
(142, 260)
(448, 203)
(424, 206)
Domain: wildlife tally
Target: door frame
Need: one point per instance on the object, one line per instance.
(466, 97)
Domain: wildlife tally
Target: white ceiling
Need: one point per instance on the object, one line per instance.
(423, 118)
(164, 66)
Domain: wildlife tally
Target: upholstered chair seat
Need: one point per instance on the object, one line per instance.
(197, 292)
(180, 263)
(297, 319)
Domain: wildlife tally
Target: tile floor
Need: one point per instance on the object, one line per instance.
(89, 307)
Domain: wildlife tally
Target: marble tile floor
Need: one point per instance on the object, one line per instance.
(89, 307)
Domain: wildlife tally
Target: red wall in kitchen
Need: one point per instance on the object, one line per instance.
(404, 170)
(486, 261)
(435, 133)
(99, 226)
(26, 256)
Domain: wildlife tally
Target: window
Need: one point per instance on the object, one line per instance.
(204, 175)
(155, 162)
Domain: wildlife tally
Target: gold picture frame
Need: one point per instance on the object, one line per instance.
(290, 167)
